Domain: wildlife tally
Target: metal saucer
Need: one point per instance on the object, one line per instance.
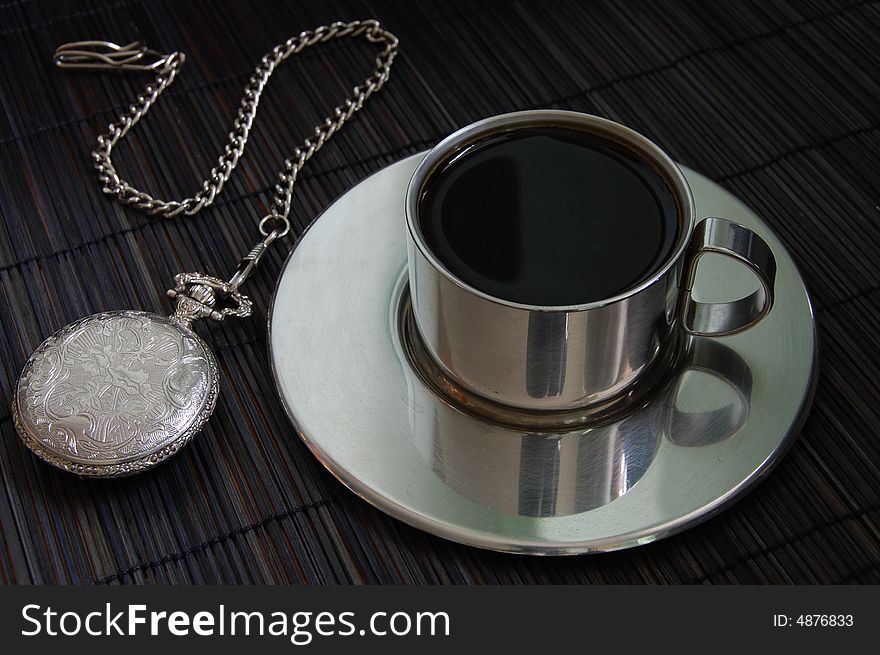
(351, 382)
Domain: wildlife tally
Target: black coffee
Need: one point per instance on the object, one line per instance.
(549, 216)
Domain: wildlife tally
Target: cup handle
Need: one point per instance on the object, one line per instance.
(724, 318)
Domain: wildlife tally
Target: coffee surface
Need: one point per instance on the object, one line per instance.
(548, 217)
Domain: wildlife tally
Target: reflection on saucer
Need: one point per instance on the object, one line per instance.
(533, 474)
(709, 400)
(530, 473)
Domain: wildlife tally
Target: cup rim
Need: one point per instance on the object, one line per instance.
(603, 127)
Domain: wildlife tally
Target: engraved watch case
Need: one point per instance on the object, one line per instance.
(115, 393)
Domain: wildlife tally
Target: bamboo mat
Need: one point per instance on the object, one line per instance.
(779, 101)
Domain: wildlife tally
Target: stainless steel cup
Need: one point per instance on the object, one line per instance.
(559, 358)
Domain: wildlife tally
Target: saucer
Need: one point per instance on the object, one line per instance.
(361, 397)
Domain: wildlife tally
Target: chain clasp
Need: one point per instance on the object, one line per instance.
(104, 55)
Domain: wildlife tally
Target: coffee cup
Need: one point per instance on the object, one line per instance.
(552, 259)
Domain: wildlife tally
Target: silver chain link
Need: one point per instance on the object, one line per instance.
(276, 224)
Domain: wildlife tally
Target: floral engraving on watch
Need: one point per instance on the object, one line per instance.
(113, 389)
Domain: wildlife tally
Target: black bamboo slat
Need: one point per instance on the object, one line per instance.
(778, 100)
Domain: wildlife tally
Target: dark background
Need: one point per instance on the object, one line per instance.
(777, 101)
